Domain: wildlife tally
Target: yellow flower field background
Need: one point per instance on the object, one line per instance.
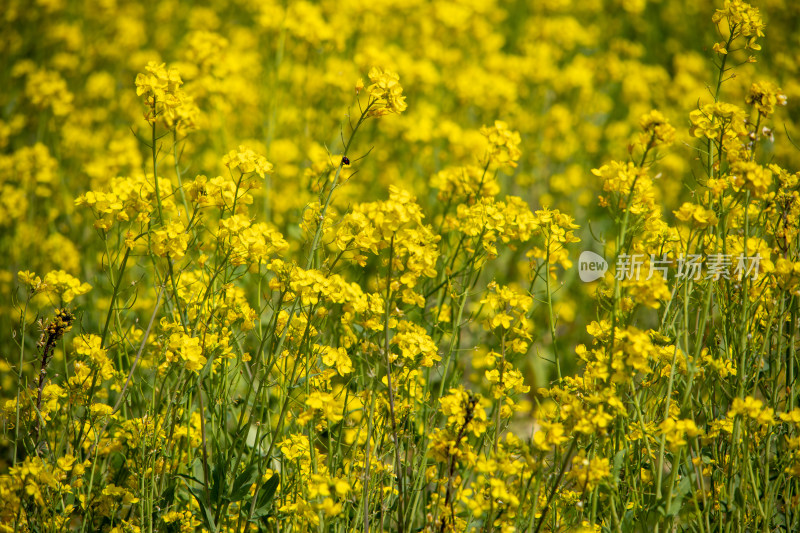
(338, 266)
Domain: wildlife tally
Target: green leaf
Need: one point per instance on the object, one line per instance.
(738, 497)
(265, 496)
(243, 482)
(190, 478)
(208, 518)
(217, 482)
(269, 488)
(167, 497)
(628, 522)
(684, 487)
(618, 458)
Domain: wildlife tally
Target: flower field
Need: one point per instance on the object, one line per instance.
(446, 266)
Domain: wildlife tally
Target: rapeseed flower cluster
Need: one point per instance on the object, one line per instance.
(315, 266)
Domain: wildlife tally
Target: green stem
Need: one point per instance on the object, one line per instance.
(114, 295)
(398, 464)
(19, 375)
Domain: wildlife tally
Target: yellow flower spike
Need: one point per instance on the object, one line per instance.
(503, 144)
(764, 96)
(186, 349)
(589, 473)
(751, 176)
(386, 93)
(162, 94)
(657, 131)
(246, 160)
(172, 240)
(65, 285)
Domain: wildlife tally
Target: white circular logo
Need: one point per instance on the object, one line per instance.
(591, 266)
